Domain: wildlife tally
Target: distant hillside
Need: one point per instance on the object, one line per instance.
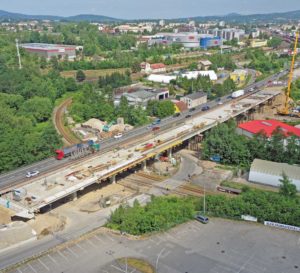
(233, 17)
(4, 15)
(264, 17)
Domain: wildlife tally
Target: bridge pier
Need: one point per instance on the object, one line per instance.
(144, 165)
(170, 155)
(113, 179)
(74, 196)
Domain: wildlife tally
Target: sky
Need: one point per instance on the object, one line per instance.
(142, 9)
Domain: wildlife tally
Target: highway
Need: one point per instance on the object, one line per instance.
(17, 176)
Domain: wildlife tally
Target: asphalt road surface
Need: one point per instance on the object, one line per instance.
(221, 246)
(19, 175)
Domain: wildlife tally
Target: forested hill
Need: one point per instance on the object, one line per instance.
(233, 17)
(4, 15)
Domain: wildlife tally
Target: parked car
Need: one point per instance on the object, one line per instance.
(119, 135)
(157, 121)
(205, 108)
(155, 128)
(32, 173)
(192, 109)
(176, 115)
(188, 116)
(202, 219)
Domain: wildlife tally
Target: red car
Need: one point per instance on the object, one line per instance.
(155, 128)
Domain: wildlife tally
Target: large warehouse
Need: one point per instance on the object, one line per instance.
(269, 173)
(51, 50)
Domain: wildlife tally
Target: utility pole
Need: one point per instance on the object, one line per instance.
(18, 53)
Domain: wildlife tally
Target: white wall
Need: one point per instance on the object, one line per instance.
(269, 179)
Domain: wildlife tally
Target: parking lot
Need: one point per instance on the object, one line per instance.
(221, 246)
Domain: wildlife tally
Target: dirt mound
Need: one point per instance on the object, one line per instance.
(45, 224)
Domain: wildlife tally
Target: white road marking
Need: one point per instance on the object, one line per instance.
(19, 270)
(83, 249)
(72, 252)
(43, 264)
(115, 267)
(52, 259)
(109, 237)
(32, 268)
(90, 242)
(99, 239)
(62, 255)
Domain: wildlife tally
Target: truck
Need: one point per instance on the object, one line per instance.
(237, 94)
(77, 148)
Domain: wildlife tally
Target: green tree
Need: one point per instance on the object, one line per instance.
(287, 188)
(80, 76)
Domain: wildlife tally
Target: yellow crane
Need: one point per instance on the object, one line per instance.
(286, 109)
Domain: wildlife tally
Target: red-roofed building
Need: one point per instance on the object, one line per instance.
(180, 106)
(153, 68)
(267, 127)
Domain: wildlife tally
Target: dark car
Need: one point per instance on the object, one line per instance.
(188, 116)
(176, 115)
(192, 109)
(202, 219)
(205, 108)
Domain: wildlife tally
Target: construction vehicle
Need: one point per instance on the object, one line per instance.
(106, 127)
(286, 110)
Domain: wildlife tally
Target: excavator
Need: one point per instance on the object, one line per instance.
(287, 108)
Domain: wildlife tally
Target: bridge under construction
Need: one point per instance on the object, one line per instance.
(30, 197)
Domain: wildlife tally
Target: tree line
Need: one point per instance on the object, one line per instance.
(235, 149)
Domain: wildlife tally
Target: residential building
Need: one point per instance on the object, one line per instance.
(142, 96)
(204, 65)
(52, 50)
(269, 173)
(180, 106)
(239, 76)
(153, 68)
(194, 99)
(258, 43)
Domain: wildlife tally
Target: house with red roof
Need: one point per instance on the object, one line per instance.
(153, 68)
(266, 127)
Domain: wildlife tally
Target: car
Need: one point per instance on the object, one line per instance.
(220, 102)
(188, 116)
(155, 128)
(192, 109)
(251, 89)
(32, 173)
(205, 108)
(119, 135)
(157, 121)
(202, 219)
(176, 115)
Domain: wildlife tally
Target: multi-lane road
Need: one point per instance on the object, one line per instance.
(18, 176)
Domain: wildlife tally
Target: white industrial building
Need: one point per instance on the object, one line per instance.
(161, 78)
(195, 74)
(269, 173)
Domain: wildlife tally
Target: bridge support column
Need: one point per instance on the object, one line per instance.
(144, 165)
(170, 155)
(74, 196)
(113, 179)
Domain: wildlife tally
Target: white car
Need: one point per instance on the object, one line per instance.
(220, 103)
(119, 135)
(32, 173)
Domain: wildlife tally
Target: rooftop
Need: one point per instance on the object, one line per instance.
(268, 127)
(141, 94)
(196, 95)
(46, 47)
(274, 168)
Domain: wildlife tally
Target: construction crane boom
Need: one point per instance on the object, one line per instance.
(286, 109)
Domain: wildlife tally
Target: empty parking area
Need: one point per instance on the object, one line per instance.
(219, 247)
